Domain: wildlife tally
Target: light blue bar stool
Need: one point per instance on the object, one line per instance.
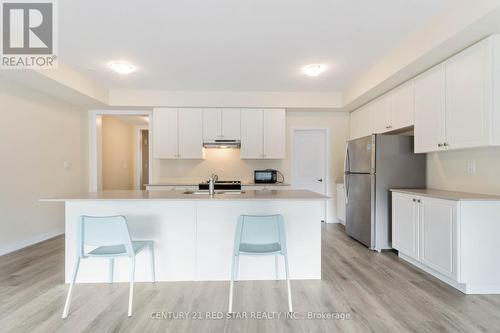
(260, 236)
(109, 238)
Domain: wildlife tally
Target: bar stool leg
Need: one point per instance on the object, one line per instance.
(152, 254)
(131, 291)
(234, 268)
(289, 289)
(70, 291)
(276, 266)
(111, 269)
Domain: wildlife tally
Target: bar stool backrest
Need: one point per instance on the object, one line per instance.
(104, 231)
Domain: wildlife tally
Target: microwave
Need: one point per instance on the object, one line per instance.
(268, 176)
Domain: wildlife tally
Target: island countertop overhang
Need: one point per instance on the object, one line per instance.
(252, 195)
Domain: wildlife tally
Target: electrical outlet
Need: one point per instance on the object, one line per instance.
(471, 167)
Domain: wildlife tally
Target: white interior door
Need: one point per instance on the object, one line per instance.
(309, 161)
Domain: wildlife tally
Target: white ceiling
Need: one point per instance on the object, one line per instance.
(254, 45)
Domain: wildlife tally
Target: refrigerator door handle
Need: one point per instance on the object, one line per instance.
(347, 167)
(346, 187)
(346, 173)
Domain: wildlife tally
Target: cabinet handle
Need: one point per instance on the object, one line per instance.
(414, 200)
(445, 144)
(440, 145)
(388, 127)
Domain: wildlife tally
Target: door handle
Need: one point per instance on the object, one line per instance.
(320, 180)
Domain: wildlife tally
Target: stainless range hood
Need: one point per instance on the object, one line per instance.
(222, 144)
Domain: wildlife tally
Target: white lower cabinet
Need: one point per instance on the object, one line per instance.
(438, 235)
(405, 225)
(453, 240)
(425, 229)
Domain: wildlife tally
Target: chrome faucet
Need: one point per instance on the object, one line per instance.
(211, 184)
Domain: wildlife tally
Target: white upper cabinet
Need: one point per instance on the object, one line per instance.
(263, 134)
(177, 133)
(430, 102)
(381, 114)
(454, 105)
(468, 97)
(403, 106)
(455, 108)
(231, 124)
(361, 122)
(274, 134)
(392, 111)
(165, 133)
(252, 133)
(221, 124)
(190, 134)
(212, 128)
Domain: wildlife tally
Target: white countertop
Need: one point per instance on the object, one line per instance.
(449, 195)
(195, 183)
(180, 195)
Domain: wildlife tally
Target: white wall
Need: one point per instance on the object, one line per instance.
(447, 170)
(38, 134)
(228, 165)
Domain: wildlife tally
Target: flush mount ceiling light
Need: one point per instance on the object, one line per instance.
(122, 67)
(313, 69)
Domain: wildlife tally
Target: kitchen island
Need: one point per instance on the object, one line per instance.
(194, 233)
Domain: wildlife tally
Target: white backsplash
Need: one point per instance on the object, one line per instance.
(225, 162)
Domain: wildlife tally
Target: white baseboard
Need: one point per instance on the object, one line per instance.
(8, 248)
(459, 286)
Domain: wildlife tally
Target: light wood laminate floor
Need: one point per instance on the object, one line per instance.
(380, 293)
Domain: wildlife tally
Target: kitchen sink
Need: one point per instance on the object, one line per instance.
(216, 192)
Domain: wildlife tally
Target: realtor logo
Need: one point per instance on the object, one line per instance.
(28, 32)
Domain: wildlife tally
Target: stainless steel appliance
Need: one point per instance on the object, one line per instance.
(227, 185)
(373, 165)
(268, 176)
(220, 143)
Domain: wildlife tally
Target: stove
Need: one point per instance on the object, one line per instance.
(227, 185)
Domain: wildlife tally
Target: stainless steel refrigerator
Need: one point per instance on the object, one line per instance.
(373, 165)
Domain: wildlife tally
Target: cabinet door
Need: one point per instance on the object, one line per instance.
(190, 133)
(252, 134)
(438, 235)
(231, 123)
(468, 97)
(211, 124)
(274, 134)
(165, 133)
(361, 122)
(380, 114)
(405, 224)
(402, 109)
(430, 110)
(355, 124)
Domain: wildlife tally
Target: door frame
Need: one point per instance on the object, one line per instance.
(138, 154)
(326, 132)
(94, 153)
